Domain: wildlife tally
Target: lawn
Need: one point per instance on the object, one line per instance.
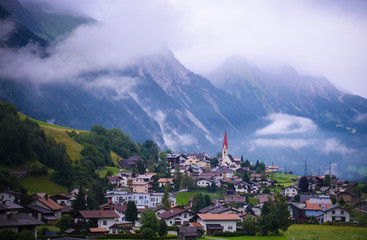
(311, 232)
(103, 170)
(35, 184)
(182, 198)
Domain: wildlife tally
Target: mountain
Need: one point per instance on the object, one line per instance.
(286, 91)
(279, 117)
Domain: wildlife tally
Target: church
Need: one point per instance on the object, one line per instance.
(227, 160)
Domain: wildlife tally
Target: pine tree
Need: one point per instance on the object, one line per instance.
(163, 229)
(79, 203)
(166, 203)
(131, 213)
(198, 203)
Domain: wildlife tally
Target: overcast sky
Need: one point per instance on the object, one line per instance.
(326, 38)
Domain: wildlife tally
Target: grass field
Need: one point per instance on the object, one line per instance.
(311, 232)
(102, 171)
(42, 184)
(182, 198)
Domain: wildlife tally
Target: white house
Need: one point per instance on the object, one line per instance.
(334, 213)
(105, 219)
(290, 191)
(218, 222)
(176, 216)
(148, 199)
(9, 195)
(204, 183)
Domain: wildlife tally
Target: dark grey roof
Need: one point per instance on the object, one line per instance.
(39, 209)
(207, 209)
(14, 193)
(18, 219)
(8, 205)
(214, 227)
(224, 169)
(188, 231)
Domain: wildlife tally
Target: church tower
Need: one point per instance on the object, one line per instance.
(225, 145)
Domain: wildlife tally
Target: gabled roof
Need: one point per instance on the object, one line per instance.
(239, 199)
(164, 180)
(195, 224)
(63, 196)
(208, 208)
(188, 231)
(212, 216)
(18, 219)
(171, 213)
(98, 214)
(98, 230)
(9, 205)
(51, 204)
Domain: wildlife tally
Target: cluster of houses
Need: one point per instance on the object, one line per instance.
(221, 215)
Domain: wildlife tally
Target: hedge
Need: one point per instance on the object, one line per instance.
(131, 236)
(230, 234)
(172, 228)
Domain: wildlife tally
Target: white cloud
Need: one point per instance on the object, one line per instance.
(286, 124)
(333, 145)
(295, 144)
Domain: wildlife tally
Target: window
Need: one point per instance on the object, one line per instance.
(185, 215)
(104, 222)
(343, 219)
(333, 212)
(229, 227)
(341, 212)
(333, 219)
(141, 197)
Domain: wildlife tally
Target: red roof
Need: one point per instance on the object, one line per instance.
(51, 204)
(225, 143)
(164, 180)
(215, 216)
(98, 230)
(98, 214)
(195, 224)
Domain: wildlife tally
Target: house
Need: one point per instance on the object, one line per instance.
(243, 170)
(348, 197)
(290, 191)
(188, 233)
(147, 199)
(18, 222)
(10, 195)
(204, 183)
(141, 187)
(316, 206)
(63, 199)
(297, 211)
(177, 159)
(9, 207)
(45, 209)
(126, 179)
(162, 182)
(176, 216)
(241, 200)
(218, 222)
(97, 232)
(224, 173)
(100, 219)
(334, 213)
(121, 226)
(227, 160)
(130, 163)
(272, 169)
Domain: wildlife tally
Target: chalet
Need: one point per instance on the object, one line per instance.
(45, 209)
(162, 182)
(290, 191)
(176, 216)
(130, 163)
(218, 222)
(121, 226)
(97, 232)
(125, 179)
(176, 160)
(334, 213)
(243, 170)
(101, 219)
(9, 207)
(18, 222)
(224, 173)
(115, 180)
(10, 195)
(63, 199)
(272, 169)
(204, 183)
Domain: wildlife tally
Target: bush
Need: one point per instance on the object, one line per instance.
(229, 234)
(172, 228)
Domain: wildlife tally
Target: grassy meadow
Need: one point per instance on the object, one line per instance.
(311, 232)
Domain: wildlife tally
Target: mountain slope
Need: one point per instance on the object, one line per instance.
(286, 91)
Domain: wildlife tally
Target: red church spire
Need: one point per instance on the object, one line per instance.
(225, 143)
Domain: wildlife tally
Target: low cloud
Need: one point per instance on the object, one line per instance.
(333, 145)
(295, 144)
(286, 124)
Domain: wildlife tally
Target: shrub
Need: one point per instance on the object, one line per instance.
(172, 228)
(229, 234)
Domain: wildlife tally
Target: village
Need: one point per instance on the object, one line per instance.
(226, 195)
